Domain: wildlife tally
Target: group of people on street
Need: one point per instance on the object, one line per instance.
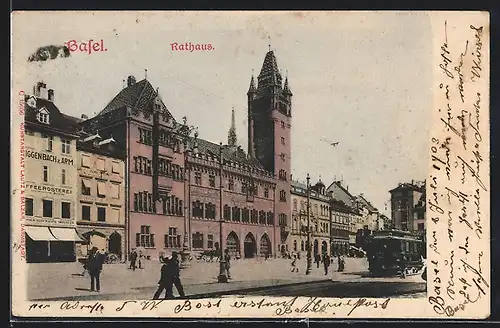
(135, 259)
(318, 259)
(169, 276)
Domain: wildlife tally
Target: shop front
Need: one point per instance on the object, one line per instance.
(50, 244)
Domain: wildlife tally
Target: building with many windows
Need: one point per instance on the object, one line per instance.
(51, 175)
(178, 187)
(407, 206)
(319, 219)
(100, 195)
(346, 205)
(342, 229)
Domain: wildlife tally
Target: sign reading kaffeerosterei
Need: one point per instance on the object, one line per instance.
(50, 189)
(49, 157)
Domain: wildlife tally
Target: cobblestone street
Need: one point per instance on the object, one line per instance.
(64, 280)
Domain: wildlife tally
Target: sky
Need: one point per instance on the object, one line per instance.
(362, 79)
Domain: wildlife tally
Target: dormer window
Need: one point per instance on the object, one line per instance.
(43, 116)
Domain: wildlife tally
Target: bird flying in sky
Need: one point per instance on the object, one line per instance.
(331, 143)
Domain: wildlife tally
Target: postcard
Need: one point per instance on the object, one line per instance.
(250, 164)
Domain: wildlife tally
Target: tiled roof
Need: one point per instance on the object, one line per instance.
(366, 204)
(235, 154)
(270, 65)
(57, 120)
(136, 96)
(406, 186)
(127, 97)
(110, 149)
(343, 194)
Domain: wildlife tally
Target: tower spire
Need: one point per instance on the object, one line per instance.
(146, 73)
(231, 137)
(269, 44)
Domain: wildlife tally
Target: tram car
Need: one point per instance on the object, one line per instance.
(395, 252)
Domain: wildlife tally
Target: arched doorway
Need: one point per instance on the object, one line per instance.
(316, 246)
(250, 246)
(265, 245)
(324, 247)
(115, 244)
(233, 244)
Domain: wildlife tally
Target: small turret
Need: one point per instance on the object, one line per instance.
(286, 88)
(231, 138)
(252, 89)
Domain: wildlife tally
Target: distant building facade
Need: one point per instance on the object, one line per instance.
(346, 204)
(342, 230)
(370, 216)
(419, 215)
(320, 219)
(404, 206)
(51, 175)
(101, 195)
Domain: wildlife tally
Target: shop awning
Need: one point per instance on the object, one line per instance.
(65, 234)
(39, 233)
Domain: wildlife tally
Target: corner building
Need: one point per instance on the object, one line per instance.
(51, 176)
(101, 195)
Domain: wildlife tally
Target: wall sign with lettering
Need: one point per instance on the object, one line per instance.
(49, 189)
(49, 157)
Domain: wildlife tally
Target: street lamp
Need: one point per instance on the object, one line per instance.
(222, 263)
(309, 256)
(188, 147)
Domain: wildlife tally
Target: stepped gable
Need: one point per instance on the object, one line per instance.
(58, 120)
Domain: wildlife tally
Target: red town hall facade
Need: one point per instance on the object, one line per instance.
(178, 185)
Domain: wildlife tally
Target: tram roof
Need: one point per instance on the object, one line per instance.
(396, 238)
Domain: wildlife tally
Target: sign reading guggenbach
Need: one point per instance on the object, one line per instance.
(49, 157)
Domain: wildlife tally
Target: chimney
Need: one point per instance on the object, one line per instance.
(130, 81)
(50, 94)
(84, 117)
(40, 90)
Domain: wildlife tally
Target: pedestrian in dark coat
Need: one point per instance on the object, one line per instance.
(174, 277)
(341, 263)
(227, 260)
(326, 262)
(94, 265)
(133, 259)
(165, 278)
(317, 259)
(294, 264)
